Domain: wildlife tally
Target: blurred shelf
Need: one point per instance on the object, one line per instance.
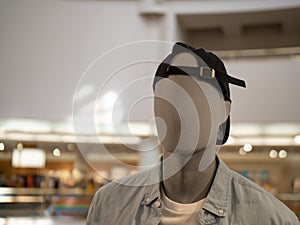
(288, 197)
(45, 191)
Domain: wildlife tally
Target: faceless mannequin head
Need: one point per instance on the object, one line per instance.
(189, 112)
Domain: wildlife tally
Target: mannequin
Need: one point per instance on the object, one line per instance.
(175, 98)
(191, 185)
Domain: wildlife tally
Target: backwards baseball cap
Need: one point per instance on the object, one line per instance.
(210, 69)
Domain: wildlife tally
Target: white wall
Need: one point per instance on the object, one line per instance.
(272, 93)
(46, 45)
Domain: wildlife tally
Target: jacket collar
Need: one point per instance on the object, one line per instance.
(218, 198)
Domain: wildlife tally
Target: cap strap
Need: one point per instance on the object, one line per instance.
(206, 72)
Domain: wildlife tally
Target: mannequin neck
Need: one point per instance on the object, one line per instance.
(188, 184)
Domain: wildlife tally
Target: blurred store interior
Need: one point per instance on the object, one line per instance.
(63, 134)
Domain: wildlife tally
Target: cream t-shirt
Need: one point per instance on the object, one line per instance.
(178, 213)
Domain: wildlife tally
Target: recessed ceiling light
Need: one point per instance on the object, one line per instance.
(56, 152)
(70, 147)
(247, 147)
(282, 154)
(273, 154)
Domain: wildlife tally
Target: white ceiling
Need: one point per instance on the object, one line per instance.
(242, 30)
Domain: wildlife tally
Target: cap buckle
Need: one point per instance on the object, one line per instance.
(204, 72)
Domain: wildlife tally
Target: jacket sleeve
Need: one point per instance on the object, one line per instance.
(293, 220)
(94, 211)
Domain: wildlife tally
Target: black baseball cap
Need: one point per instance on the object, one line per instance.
(211, 69)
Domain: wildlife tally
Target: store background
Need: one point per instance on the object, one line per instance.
(46, 46)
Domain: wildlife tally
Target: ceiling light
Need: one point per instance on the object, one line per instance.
(70, 147)
(20, 146)
(247, 147)
(245, 129)
(26, 125)
(281, 129)
(297, 139)
(242, 152)
(56, 152)
(273, 154)
(282, 154)
(2, 146)
(29, 158)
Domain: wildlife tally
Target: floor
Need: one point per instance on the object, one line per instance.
(42, 221)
